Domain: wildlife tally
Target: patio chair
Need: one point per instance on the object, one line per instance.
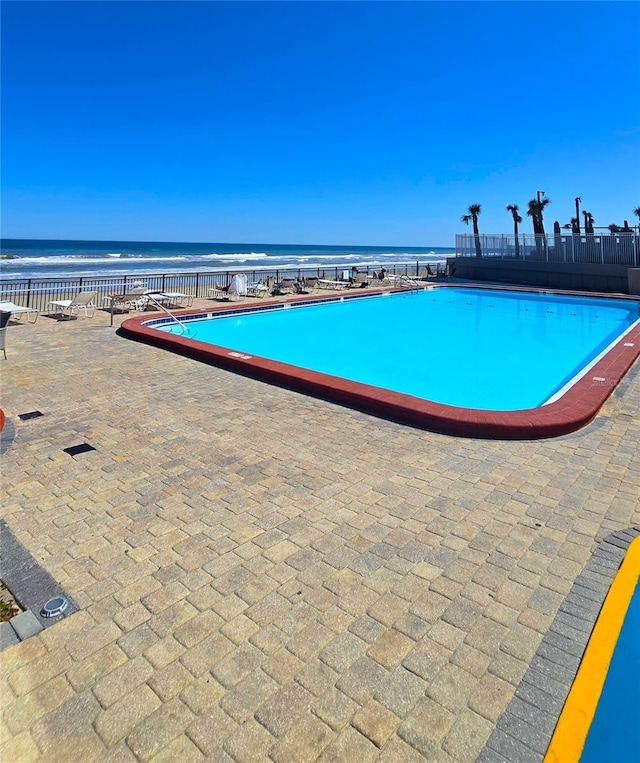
(448, 271)
(84, 300)
(426, 273)
(17, 311)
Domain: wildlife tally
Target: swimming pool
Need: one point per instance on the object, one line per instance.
(427, 356)
(613, 732)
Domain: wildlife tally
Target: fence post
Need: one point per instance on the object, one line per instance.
(197, 283)
(28, 293)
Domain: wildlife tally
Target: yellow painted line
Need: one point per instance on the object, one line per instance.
(573, 725)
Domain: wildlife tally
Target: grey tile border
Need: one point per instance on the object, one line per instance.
(7, 436)
(8, 637)
(525, 729)
(30, 585)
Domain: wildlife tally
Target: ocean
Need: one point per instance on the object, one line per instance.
(30, 258)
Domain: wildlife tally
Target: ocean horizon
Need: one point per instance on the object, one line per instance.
(61, 258)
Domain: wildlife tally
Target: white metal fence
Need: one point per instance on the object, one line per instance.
(609, 249)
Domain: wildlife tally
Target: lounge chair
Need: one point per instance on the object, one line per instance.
(4, 319)
(122, 303)
(84, 300)
(287, 285)
(360, 281)
(151, 299)
(218, 292)
(176, 299)
(17, 311)
(324, 283)
(237, 289)
(257, 289)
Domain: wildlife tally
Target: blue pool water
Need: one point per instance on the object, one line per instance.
(472, 348)
(612, 735)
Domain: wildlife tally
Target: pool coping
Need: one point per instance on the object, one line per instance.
(576, 408)
(524, 732)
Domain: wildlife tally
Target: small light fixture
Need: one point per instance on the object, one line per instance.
(54, 607)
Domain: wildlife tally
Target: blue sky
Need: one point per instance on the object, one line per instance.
(353, 123)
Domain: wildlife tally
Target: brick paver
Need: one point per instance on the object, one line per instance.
(265, 576)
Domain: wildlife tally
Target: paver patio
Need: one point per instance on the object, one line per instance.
(266, 576)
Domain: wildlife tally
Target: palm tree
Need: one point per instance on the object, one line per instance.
(513, 208)
(535, 211)
(589, 220)
(636, 212)
(474, 211)
(577, 217)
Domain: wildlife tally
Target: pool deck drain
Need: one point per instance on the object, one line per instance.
(30, 415)
(76, 450)
(261, 572)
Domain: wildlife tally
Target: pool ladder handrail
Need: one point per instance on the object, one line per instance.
(167, 311)
(406, 282)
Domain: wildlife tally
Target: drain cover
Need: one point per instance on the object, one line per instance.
(54, 607)
(30, 415)
(74, 450)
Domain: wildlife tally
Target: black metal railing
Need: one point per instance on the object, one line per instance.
(38, 292)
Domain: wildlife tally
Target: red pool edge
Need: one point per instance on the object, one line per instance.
(575, 409)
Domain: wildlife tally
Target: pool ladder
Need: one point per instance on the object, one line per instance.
(406, 282)
(168, 312)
